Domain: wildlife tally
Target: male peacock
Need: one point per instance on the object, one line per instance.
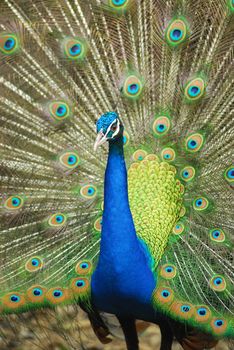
(159, 247)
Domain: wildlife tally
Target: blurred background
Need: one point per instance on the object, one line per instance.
(68, 329)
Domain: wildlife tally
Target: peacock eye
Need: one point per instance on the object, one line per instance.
(118, 4)
(132, 87)
(194, 142)
(74, 48)
(57, 293)
(14, 202)
(195, 89)
(185, 308)
(113, 127)
(9, 43)
(15, 298)
(37, 292)
(34, 264)
(88, 191)
(59, 110)
(69, 160)
(200, 203)
(177, 32)
(229, 174)
(57, 220)
(187, 173)
(217, 235)
(218, 283)
(168, 154)
(168, 271)
(203, 314)
(178, 228)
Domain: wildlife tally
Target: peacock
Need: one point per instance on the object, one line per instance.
(117, 163)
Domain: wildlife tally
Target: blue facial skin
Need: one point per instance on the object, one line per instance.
(123, 281)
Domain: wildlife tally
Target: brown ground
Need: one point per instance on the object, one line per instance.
(67, 330)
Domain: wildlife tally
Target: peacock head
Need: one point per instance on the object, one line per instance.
(109, 128)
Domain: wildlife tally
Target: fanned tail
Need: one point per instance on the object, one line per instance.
(166, 67)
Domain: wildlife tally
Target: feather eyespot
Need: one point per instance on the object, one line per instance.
(119, 2)
(57, 295)
(218, 283)
(185, 308)
(57, 219)
(194, 90)
(161, 126)
(229, 174)
(177, 32)
(80, 285)
(36, 293)
(164, 295)
(34, 264)
(13, 300)
(168, 154)
(126, 138)
(98, 224)
(59, 110)
(88, 191)
(119, 5)
(182, 309)
(219, 325)
(69, 160)
(168, 271)
(14, 203)
(217, 235)
(178, 228)
(194, 142)
(202, 314)
(187, 173)
(83, 267)
(74, 48)
(139, 155)
(9, 43)
(200, 203)
(132, 87)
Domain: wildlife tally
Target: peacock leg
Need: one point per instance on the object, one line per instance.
(166, 336)
(99, 327)
(129, 329)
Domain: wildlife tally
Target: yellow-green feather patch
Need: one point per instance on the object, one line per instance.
(155, 200)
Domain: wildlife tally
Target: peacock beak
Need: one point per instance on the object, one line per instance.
(101, 138)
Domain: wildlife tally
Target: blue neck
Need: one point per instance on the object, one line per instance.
(123, 281)
(118, 227)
